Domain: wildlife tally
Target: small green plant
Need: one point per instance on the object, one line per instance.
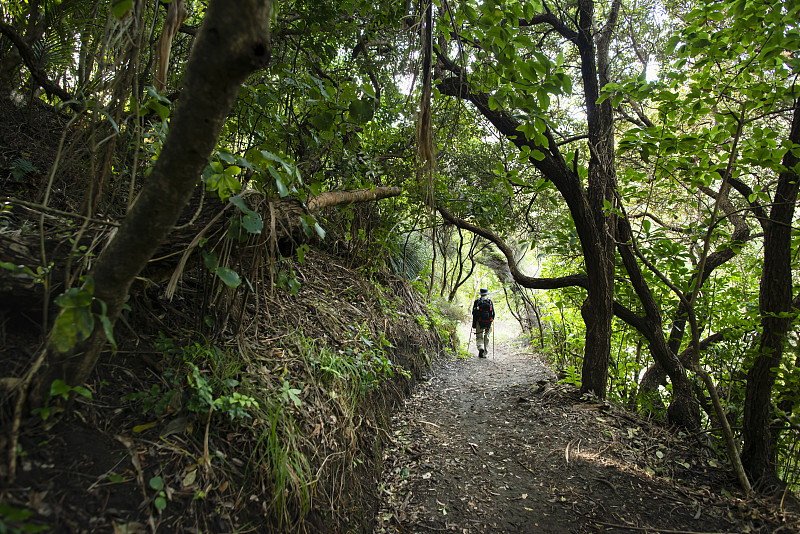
(288, 393)
(278, 454)
(14, 520)
(75, 322)
(154, 399)
(59, 388)
(22, 271)
(205, 395)
(360, 367)
(160, 500)
(287, 278)
(21, 167)
(573, 376)
(207, 379)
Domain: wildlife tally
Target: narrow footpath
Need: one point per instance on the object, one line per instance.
(497, 445)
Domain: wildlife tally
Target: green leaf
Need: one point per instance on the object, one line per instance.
(71, 326)
(210, 260)
(361, 111)
(108, 329)
(160, 109)
(320, 230)
(9, 513)
(252, 221)
(59, 388)
(238, 201)
(82, 391)
(121, 8)
(566, 84)
(323, 121)
(282, 190)
(160, 503)
(74, 297)
(224, 183)
(315, 187)
(301, 253)
(527, 129)
(17, 270)
(304, 220)
(157, 483)
(528, 73)
(229, 277)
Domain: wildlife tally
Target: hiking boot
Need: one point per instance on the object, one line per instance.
(481, 353)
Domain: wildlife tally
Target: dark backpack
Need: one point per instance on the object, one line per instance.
(485, 310)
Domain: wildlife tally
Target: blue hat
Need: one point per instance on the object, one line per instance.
(484, 291)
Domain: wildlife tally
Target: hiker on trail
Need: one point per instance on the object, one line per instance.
(482, 317)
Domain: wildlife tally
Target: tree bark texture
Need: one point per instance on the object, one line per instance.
(598, 308)
(233, 42)
(683, 409)
(775, 307)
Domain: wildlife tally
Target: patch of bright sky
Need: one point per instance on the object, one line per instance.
(651, 72)
(660, 17)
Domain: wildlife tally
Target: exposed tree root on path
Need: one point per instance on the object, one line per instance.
(497, 445)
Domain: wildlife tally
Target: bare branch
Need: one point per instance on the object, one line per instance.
(580, 280)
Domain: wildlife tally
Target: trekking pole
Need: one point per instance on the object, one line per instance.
(493, 341)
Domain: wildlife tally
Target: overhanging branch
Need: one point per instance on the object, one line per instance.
(337, 198)
(580, 280)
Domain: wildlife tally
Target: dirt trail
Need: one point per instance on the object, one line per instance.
(496, 445)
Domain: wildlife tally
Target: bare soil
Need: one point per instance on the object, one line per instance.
(498, 445)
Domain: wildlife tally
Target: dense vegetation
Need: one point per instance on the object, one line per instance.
(625, 173)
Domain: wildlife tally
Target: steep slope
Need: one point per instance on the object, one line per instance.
(270, 415)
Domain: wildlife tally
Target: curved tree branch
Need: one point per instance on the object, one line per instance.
(554, 22)
(524, 280)
(36, 70)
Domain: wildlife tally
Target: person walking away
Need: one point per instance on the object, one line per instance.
(482, 318)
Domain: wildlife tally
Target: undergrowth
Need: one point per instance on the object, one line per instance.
(277, 400)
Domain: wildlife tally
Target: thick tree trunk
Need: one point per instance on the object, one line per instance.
(775, 306)
(233, 42)
(338, 198)
(598, 245)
